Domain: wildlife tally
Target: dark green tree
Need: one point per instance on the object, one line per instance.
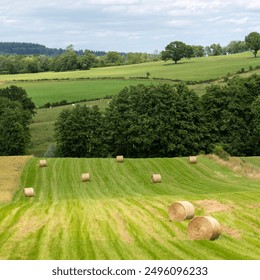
(176, 51)
(227, 111)
(87, 61)
(19, 94)
(255, 107)
(154, 121)
(14, 130)
(253, 42)
(79, 132)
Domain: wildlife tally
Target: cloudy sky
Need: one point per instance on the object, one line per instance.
(127, 25)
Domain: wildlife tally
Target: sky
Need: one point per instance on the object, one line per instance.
(127, 25)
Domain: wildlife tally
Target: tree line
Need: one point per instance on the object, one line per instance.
(177, 50)
(166, 121)
(70, 59)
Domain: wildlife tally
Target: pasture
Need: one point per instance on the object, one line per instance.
(120, 214)
(195, 69)
(43, 92)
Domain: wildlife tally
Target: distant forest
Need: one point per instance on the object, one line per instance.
(36, 49)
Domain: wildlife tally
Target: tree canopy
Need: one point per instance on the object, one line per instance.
(176, 51)
(253, 42)
(166, 121)
(16, 111)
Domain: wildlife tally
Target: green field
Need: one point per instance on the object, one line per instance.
(195, 69)
(97, 83)
(43, 92)
(120, 214)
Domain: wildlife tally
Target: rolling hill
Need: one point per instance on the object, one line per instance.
(120, 214)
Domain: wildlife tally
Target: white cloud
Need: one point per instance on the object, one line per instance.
(179, 23)
(114, 23)
(237, 21)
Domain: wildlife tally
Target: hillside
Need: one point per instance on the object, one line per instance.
(27, 49)
(10, 171)
(120, 214)
(98, 83)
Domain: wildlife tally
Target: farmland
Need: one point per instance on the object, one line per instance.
(120, 214)
(99, 83)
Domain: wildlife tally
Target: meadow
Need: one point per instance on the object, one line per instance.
(195, 69)
(120, 214)
(52, 91)
(98, 83)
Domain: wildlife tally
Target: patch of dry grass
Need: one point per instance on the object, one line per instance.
(11, 168)
(238, 166)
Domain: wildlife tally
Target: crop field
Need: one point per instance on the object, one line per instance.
(120, 214)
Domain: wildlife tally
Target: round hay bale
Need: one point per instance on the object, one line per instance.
(181, 210)
(29, 192)
(193, 159)
(204, 228)
(85, 177)
(43, 163)
(156, 178)
(120, 159)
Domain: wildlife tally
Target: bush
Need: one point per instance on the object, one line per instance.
(220, 152)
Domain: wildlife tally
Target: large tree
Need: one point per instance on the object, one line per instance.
(253, 42)
(228, 115)
(19, 94)
(14, 130)
(79, 132)
(154, 121)
(176, 51)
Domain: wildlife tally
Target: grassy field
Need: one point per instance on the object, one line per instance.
(120, 214)
(43, 92)
(195, 69)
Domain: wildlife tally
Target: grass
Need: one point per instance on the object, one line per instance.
(120, 214)
(195, 69)
(9, 175)
(43, 92)
(255, 161)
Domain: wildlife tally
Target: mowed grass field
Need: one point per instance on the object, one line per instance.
(120, 214)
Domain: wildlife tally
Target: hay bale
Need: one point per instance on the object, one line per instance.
(204, 228)
(193, 159)
(156, 178)
(120, 159)
(29, 192)
(43, 163)
(181, 210)
(85, 177)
